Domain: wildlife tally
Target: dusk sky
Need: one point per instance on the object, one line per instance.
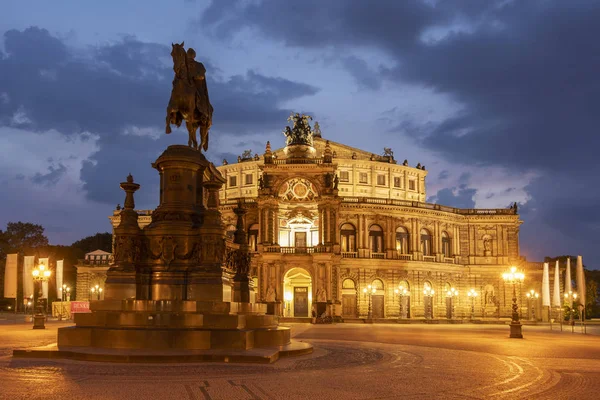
(499, 99)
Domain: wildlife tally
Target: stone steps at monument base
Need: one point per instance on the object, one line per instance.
(170, 320)
(163, 339)
(210, 307)
(256, 355)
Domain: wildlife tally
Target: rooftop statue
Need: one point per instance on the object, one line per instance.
(300, 133)
(189, 96)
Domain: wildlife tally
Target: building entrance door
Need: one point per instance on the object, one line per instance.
(301, 301)
(377, 304)
(349, 305)
(300, 238)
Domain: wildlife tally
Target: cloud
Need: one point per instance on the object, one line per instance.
(522, 76)
(364, 76)
(459, 197)
(52, 177)
(119, 91)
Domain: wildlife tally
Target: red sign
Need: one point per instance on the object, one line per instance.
(80, 307)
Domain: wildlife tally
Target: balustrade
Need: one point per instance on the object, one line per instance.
(429, 206)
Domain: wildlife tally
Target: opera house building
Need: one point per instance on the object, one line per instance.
(343, 233)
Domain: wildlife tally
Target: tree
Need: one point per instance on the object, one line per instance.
(591, 302)
(100, 241)
(21, 237)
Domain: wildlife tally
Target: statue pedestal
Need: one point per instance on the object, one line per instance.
(516, 330)
(174, 285)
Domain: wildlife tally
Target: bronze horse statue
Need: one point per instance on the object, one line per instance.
(189, 96)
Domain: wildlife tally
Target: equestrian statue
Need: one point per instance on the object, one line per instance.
(189, 96)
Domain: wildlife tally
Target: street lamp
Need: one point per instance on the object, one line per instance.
(65, 293)
(370, 291)
(514, 277)
(97, 290)
(571, 298)
(288, 297)
(531, 296)
(64, 296)
(450, 295)
(401, 292)
(428, 292)
(472, 294)
(40, 274)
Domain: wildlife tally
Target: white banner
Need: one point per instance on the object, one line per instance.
(556, 294)
(46, 262)
(568, 286)
(28, 265)
(546, 286)
(10, 276)
(59, 278)
(580, 281)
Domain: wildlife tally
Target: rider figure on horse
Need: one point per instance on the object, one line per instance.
(197, 77)
(189, 97)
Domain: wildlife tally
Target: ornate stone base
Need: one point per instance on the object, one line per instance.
(174, 325)
(39, 322)
(516, 330)
(262, 355)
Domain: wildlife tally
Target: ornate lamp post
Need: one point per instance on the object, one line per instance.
(428, 292)
(571, 298)
(370, 291)
(472, 294)
(451, 294)
(65, 293)
(97, 290)
(514, 277)
(401, 292)
(288, 297)
(40, 274)
(531, 296)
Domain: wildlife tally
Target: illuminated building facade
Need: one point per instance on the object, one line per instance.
(326, 221)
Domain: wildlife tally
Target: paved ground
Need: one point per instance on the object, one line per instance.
(351, 361)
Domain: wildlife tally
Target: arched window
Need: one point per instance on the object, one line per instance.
(402, 240)
(425, 242)
(376, 239)
(404, 285)
(427, 286)
(377, 284)
(348, 237)
(348, 284)
(446, 245)
(253, 237)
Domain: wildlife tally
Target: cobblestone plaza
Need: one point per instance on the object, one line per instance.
(382, 361)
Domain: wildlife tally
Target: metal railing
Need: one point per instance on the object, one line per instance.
(429, 258)
(380, 256)
(349, 254)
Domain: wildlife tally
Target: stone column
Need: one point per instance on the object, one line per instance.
(276, 226)
(121, 277)
(270, 224)
(320, 213)
(243, 291)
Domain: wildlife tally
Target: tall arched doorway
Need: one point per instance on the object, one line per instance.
(297, 289)
(378, 299)
(348, 298)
